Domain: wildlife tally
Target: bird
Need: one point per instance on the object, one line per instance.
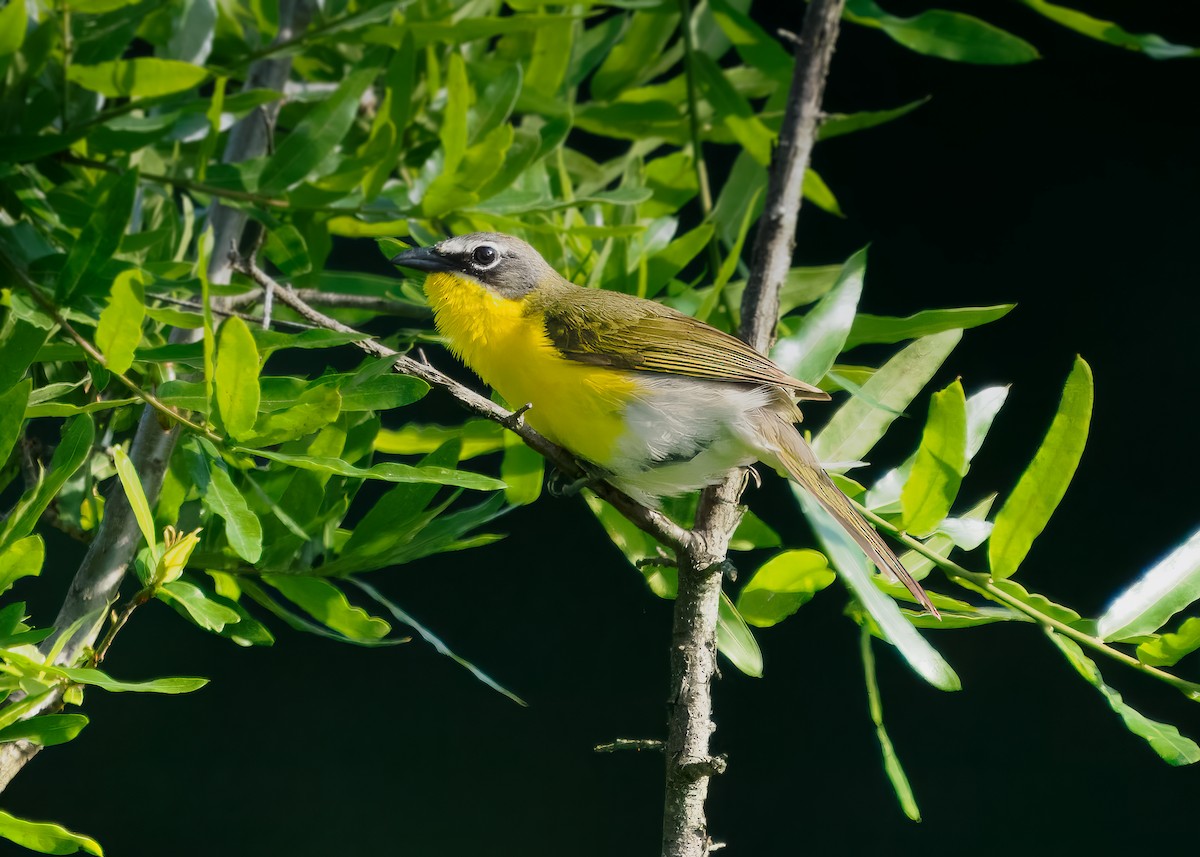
(654, 401)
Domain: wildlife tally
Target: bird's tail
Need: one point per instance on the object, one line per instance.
(795, 456)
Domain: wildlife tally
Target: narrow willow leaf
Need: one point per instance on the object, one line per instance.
(857, 426)
(982, 408)
(20, 342)
(387, 471)
(891, 762)
(736, 641)
(13, 24)
(942, 542)
(208, 614)
(45, 729)
(1044, 483)
(382, 393)
(1163, 738)
(478, 437)
(236, 378)
(44, 837)
(144, 77)
(782, 585)
(855, 570)
(940, 463)
(23, 558)
(1161, 592)
(72, 451)
(453, 129)
(731, 107)
(820, 194)
(809, 353)
(120, 327)
(221, 497)
(838, 124)
(128, 475)
(521, 470)
(432, 639)
(1167, 649)
(886, 329)
(626, 64)
(327, 604)
(947, 35)
(91, 676)
(12, 411)
(1153, 46)
(754, 45)
(316, 135)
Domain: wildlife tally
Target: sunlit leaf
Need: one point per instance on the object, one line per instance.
(1163, 738)
(221, 497)
(810, 351)
(521, 470)
(132, 485)
(944, 34)
(387, 471)
(891, 762)
(205, 612)
(1028, 509)
(44, 837)
(236, 378)
(143, 77)
(736, 641)
(1151, 45)
(884, 329)
(782, 585)
(1162, 591)
(13, 24)
(45, 729)
(940, 463)
(324, 602)
(1167, 649)
(120, 327)
(91, 676)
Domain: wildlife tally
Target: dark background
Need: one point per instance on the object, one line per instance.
(1069, 186)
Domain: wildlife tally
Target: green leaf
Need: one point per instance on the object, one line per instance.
(12, 414)
(1028, 509)
(891, 762)
(205, 612)
(316, 135)
(1163, 738)
(144, 77)
(782, 585)
(221, 497)
(521, 470)
(1161, 592)
(886, 329)
(453, 128)
(839, 124)
(387, 471)
(947, 35)
(1155, 47)
(136, 496)
(855, 570)
(940, 464)
(101, 235)
(736, 641)
(120, 327)
(432, 639)
(13, 24)
(46, 729)
(236, 378)
(23, 558)
(626, 64)
(754, 45)
(478, 437)
(858, 425)
(328, 605)
(19, 345)
(42, 836)
(1167, 649)
(810, 351)
(731, 108)
(820, 194)
(97, 678)
(72, 451)
(382, 393)
(311, 411)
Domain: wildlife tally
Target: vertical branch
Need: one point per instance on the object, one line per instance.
(98, 579)
(690, 764)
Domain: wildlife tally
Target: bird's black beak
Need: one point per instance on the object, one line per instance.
(423, 259)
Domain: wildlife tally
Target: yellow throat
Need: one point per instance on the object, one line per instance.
(575, 405)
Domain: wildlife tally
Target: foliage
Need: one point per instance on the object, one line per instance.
(407, 119)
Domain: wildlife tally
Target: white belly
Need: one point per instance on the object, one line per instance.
(684, 433)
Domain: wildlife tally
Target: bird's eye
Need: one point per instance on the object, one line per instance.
(484, 255)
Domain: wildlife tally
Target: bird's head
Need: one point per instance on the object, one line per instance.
(501, 263)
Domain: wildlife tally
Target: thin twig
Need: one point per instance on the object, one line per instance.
(630, 744)
(690, 763)
(340, 300)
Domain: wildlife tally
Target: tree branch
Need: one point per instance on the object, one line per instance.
(690, 763)
(98, 578)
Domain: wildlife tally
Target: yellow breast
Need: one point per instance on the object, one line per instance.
(575, 405)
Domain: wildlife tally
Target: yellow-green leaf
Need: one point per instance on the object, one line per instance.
(144, 77)
(236, 378)
(940, 464)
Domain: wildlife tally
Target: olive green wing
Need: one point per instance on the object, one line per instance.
(625, 332)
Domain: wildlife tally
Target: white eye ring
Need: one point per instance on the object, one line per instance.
(485, 257)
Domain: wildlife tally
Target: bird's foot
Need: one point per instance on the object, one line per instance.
(559, 485)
